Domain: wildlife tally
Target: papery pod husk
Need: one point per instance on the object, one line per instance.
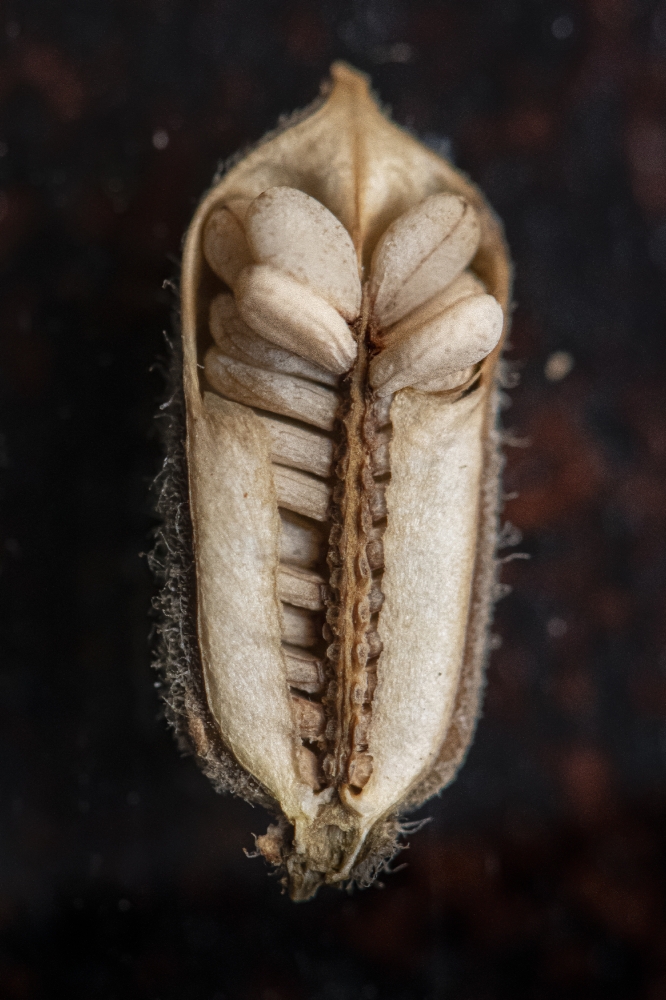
(344, 152)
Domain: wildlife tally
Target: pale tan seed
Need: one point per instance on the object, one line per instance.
(308, 768)
(225, 246)
(463, 287)
(375, 547)
(298, 235)
(292, 316)
(223, 318)
(375, 599)
(299, 627)
(382, 411)
(445, 383)
(284, 394)
(302, 493)
(421, 253)
(377, 503)
(235, 339)
(359, 769)
(374, 644)
(301, 542)
(375, 554)
(459, 337)
(362, 723)
(379, 456)
(299, 447)
(304, 671)
(309, 718)
(301, 588)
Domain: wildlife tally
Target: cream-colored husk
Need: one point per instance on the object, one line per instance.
(429, 549)
(236, 536)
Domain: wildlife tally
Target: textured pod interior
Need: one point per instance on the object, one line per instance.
(343, 538)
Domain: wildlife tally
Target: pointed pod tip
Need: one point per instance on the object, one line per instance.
(347, 77)
(350, 86)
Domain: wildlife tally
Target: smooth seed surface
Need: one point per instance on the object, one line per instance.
(462, 336)
(301, 542)
(292, 316)
(463, 287)
(225, 246)
(299, 627)
(298, 235)
(421, 253)
(302, 493)
(235, 339)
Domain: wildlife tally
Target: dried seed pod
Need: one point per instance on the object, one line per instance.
(331, 498)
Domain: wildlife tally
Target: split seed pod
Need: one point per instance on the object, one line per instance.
(331, 492)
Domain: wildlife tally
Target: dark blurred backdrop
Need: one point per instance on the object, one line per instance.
(121, 873)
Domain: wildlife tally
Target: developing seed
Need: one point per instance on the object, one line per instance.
(225, 245)
(302, 493)
(236, 340)
(299, 447)
(462, 288)
(459, 337)
(309, 718)
(284, 394)
(359, 770)
(288, 314)
(296, 234)
(301, 542)
(421, 253)
(305, 671)
(308, 771)
(299, 627)
(298, 587)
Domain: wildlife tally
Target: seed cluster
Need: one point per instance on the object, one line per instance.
(315, 371)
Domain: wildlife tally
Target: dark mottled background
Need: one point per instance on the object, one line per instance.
(122, 873)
